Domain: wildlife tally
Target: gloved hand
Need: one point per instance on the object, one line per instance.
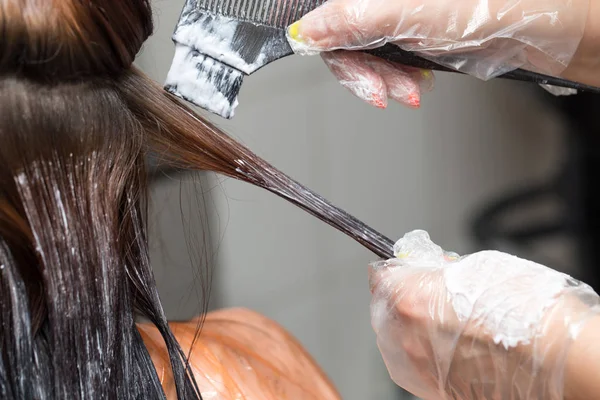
(484, 326)
(479, 37)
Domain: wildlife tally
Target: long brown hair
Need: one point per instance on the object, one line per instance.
(76, 124)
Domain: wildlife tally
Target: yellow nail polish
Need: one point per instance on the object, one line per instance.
(294, 32)
(426, 73)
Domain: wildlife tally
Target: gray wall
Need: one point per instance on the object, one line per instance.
(397, 170)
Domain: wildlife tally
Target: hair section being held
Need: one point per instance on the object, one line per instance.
(188, 141)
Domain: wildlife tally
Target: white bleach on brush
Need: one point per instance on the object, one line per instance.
(218, 42)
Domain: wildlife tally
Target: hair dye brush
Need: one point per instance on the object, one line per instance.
(220, 41)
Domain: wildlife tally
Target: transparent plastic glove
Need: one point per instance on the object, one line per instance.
(375, 81)
(479, 37)
(483, 326)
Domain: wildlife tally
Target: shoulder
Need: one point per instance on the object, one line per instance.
(241, 354)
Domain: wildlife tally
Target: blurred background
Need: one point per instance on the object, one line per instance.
(481, 165)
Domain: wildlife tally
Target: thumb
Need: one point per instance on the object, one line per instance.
(345, 24)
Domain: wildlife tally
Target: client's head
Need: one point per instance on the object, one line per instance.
(66, 39)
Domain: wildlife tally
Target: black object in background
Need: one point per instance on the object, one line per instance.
(577, 188)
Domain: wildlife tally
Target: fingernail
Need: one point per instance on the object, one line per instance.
(378, 101)
(294, 32)
(299, 44)
(411, 99)
(404, 88)
(367, 90)
(427, 80)
(414, 100)
(451, 256)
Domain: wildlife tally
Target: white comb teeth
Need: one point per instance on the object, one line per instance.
(274, 13)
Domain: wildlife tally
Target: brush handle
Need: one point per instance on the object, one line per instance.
(393, 53)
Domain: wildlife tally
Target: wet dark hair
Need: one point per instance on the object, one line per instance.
(77, 122)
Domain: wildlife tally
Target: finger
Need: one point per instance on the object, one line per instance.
(401, 85)
(397, 282)
(375, 80)
(403, 336)
(346, 24)
(351, 24)
(356, 75)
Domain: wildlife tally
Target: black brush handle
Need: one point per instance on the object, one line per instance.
(393, 53)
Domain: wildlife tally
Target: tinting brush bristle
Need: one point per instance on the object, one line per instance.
(204, 81)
